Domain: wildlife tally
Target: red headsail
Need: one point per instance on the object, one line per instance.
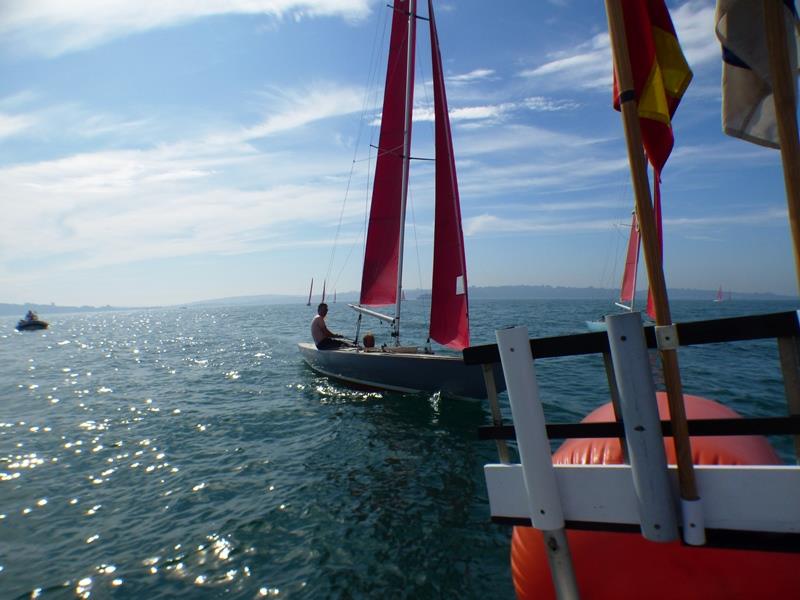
(449, 307)
(381, 257)
(628, 289)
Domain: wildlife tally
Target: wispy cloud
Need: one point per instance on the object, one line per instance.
(52, 27)
(491, 224)
(295, 109)
(11, 125)
(764, 216)
(494, 113)
(542, 104)
(218, 193)
(516, 137)
(694, 24)
(589, 65)
(475, 75)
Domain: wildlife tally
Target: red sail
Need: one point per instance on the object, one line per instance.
(449, 307)
(628, 289)
(381, 257)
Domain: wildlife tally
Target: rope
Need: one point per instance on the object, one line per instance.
(370, 85)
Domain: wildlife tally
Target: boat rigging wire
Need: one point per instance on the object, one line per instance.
(378, 41)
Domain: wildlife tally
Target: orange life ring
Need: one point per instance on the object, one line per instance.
(622, 565)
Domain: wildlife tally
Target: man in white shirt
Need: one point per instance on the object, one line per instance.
(324, 338)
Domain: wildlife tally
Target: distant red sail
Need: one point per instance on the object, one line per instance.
(628, 289)
(381, 257)
(651, 304)
(449, 305)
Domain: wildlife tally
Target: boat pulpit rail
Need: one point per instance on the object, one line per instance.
(751, 520)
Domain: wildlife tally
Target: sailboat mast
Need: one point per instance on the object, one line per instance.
(408, 110)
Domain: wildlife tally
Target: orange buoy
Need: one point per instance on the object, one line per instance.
(625, 565)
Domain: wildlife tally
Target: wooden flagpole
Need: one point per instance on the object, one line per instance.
(652, 252)
(783, 90)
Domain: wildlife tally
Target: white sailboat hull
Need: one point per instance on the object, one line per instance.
(401, 371)
(596, 326)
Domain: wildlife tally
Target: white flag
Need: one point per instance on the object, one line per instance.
(748, 106)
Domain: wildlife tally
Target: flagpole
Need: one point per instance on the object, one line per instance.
(652, 252)
(783, 92)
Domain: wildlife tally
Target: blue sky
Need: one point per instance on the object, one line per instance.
(156, 152)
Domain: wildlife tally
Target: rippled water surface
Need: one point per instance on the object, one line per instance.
(176, 452)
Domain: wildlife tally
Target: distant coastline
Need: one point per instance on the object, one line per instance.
(501, 292)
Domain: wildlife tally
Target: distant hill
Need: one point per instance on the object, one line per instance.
(19, 310)
(247, 300)
(274, 299)
(500, 292)
(513, 292)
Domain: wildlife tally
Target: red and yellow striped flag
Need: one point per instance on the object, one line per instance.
(660, 74)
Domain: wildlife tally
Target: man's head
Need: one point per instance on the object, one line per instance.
(322, 309)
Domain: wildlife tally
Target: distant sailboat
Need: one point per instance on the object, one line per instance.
(720, 296)
(627, 292)
(409, 368)
(310, 290)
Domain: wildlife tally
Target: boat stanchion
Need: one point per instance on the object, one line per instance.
(494, 405)
(642, 425)
(543, 498)
(789, 352)
(608, 364)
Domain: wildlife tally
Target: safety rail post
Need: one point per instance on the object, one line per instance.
(789, 351)
(544, 501)
(614, 391)
(494, 405)
(642, 427)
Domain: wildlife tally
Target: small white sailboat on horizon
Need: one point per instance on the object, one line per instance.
(395, 367)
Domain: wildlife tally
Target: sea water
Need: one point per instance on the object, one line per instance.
(190, 453)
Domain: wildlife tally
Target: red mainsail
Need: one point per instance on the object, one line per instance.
(628, 289)
(382, 254)
(449, 307)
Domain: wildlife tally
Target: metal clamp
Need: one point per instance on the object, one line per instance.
(667, 337)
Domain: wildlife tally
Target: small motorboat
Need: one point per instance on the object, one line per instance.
(31, 322)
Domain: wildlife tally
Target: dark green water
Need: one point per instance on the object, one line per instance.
(189, 452)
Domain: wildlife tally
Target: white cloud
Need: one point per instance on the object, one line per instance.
(125, 206)
(694, 24)
(11, 125)
(589, 65)
(295, 109)
(474, 75)
(767, 215)
(542, 104)
(516, 137)
(217, 194)
(54, 27)
(491, 224)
